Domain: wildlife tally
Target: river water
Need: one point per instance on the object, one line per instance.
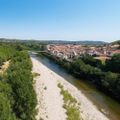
(105, 104)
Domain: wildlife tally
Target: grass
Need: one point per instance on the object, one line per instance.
(70, 104)
(35, 74)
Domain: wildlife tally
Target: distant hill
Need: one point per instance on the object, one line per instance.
(85, 42)
(116, 42)
(74, 42)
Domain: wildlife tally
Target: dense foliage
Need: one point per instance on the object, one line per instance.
(5, 102)
(17, 96)
(6, 53)
(113, 64)
(87, 59)
(20, 78)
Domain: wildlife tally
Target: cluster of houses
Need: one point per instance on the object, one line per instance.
(71, 51)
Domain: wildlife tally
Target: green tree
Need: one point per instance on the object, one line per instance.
(113, 64)
(91, 61)
(5, 108)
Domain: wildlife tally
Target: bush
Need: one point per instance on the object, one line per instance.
(5, 108)
(20, 78)
(113, 64)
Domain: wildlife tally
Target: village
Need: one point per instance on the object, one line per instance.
(71, 51)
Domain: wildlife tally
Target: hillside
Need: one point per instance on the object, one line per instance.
(116, 42)
(83, 42)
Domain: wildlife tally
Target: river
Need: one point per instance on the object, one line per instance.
(105, 104)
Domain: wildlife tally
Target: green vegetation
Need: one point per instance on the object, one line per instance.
(35, 74)
(6, 53)
(116, 42)
(46, 42)
(21, 80)
(87, 59)
(5, 108)
(70, 104)
(113, 64)
(5, 102)
(17, 96)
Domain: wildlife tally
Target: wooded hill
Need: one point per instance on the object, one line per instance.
(83, 42)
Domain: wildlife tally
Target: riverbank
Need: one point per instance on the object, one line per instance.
(50, 101)
(104, 81)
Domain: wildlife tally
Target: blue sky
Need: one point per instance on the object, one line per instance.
(60, 19)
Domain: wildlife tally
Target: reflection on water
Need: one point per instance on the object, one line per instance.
(105, 104)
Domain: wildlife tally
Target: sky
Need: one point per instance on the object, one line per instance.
(60, 19)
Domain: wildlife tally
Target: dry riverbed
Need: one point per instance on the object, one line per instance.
(51, 102)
